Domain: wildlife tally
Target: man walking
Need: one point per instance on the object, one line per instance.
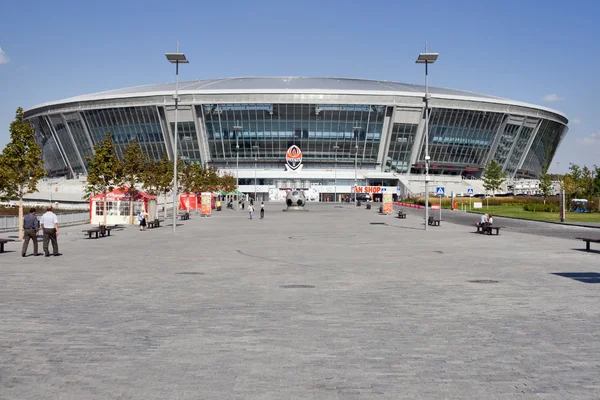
(50, 227)
(31, 226)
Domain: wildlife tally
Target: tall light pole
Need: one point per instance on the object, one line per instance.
(236, 130)
(176, 58)
(356, 130)
(426, 58)
(336, 147)
(255, 160)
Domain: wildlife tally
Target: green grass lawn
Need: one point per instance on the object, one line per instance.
(518, 212)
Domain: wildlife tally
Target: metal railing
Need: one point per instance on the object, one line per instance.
(12, 223)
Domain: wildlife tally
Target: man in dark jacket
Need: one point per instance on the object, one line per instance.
(31, 226)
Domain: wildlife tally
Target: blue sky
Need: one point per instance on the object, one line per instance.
(541, 52)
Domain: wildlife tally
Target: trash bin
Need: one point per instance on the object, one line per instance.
(368, 206)
(358, 203)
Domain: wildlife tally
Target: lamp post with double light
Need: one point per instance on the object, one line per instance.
(256, 149)
(175, 58)
(356, 130)
(427, 58)
(236, 130)
(336, 147)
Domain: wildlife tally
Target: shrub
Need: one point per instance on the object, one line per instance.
(541, 207)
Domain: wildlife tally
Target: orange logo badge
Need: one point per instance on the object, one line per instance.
(293, 157)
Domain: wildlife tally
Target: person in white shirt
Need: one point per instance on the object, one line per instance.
(49, 223)
(250, 210)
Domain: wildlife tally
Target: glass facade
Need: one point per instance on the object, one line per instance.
(543, 147)
(329, 136)
(189, 149)
(401, 145)
(266, 131)
(518, 149)
(82, 141)
(461, 137)
(506, 142)
(67, 144)
(54, 163)
(125, 124)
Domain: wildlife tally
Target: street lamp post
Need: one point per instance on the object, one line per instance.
(427, 58)
(236, 130)
(336, 147)
(356, 130)
(255, 161)
(176, 58)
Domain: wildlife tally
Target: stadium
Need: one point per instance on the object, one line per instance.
(317, 134)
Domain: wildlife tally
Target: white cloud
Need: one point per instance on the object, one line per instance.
(593, 138)
(552, 97)
(3, 57)
(577, 121)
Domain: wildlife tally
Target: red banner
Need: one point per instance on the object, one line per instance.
(188, 201)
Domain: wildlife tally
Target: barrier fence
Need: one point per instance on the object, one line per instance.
(8, 223)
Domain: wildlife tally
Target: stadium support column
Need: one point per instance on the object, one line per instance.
(175, 58)
(426, 58)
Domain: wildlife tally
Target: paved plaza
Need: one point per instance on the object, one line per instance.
(334, 303)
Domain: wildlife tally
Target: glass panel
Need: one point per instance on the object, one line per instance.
(125, 124)
(460, 136)
(543, 147)
(401, 144)
(315, 128)
(518, 150)
(506, 142)
(54, 164)
(67, 144)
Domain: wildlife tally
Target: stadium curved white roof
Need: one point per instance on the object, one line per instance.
(291, 84)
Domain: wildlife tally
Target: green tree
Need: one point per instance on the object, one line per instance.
(493, 177)
(545, 183)
(227, 183)
(158, 178)
(21, 163)
(104, 170)
(134, 166)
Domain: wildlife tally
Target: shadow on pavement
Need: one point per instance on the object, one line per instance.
(585, 277)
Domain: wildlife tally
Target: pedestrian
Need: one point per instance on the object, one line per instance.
(49, 223)
(243, 205)
(262, 209)
(252, 201)
(142, 220)
(31, 226)
(250, 210)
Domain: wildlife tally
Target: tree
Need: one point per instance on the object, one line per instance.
(21, 163)
(227, 183)
(545, 183)
(158, 178)
(134, 166)
(572, 182)
(104, 170)
(493, 177)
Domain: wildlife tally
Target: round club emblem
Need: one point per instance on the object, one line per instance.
(293, 157)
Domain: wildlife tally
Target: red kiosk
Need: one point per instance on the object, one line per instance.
(117, 206)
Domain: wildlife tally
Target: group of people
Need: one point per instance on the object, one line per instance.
(49, 226)
(251, 209)
(486, 219)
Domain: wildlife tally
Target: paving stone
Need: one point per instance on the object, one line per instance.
(392, 315)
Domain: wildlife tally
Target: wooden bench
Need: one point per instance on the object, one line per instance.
(2, 242)
(587, 241)
(154, 224)
(433, 221)
(488, 228)
(184, 216)
(102, 230)
(401, 215)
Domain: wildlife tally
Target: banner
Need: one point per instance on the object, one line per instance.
(206, 203)
(388, 206)
(188, 201)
